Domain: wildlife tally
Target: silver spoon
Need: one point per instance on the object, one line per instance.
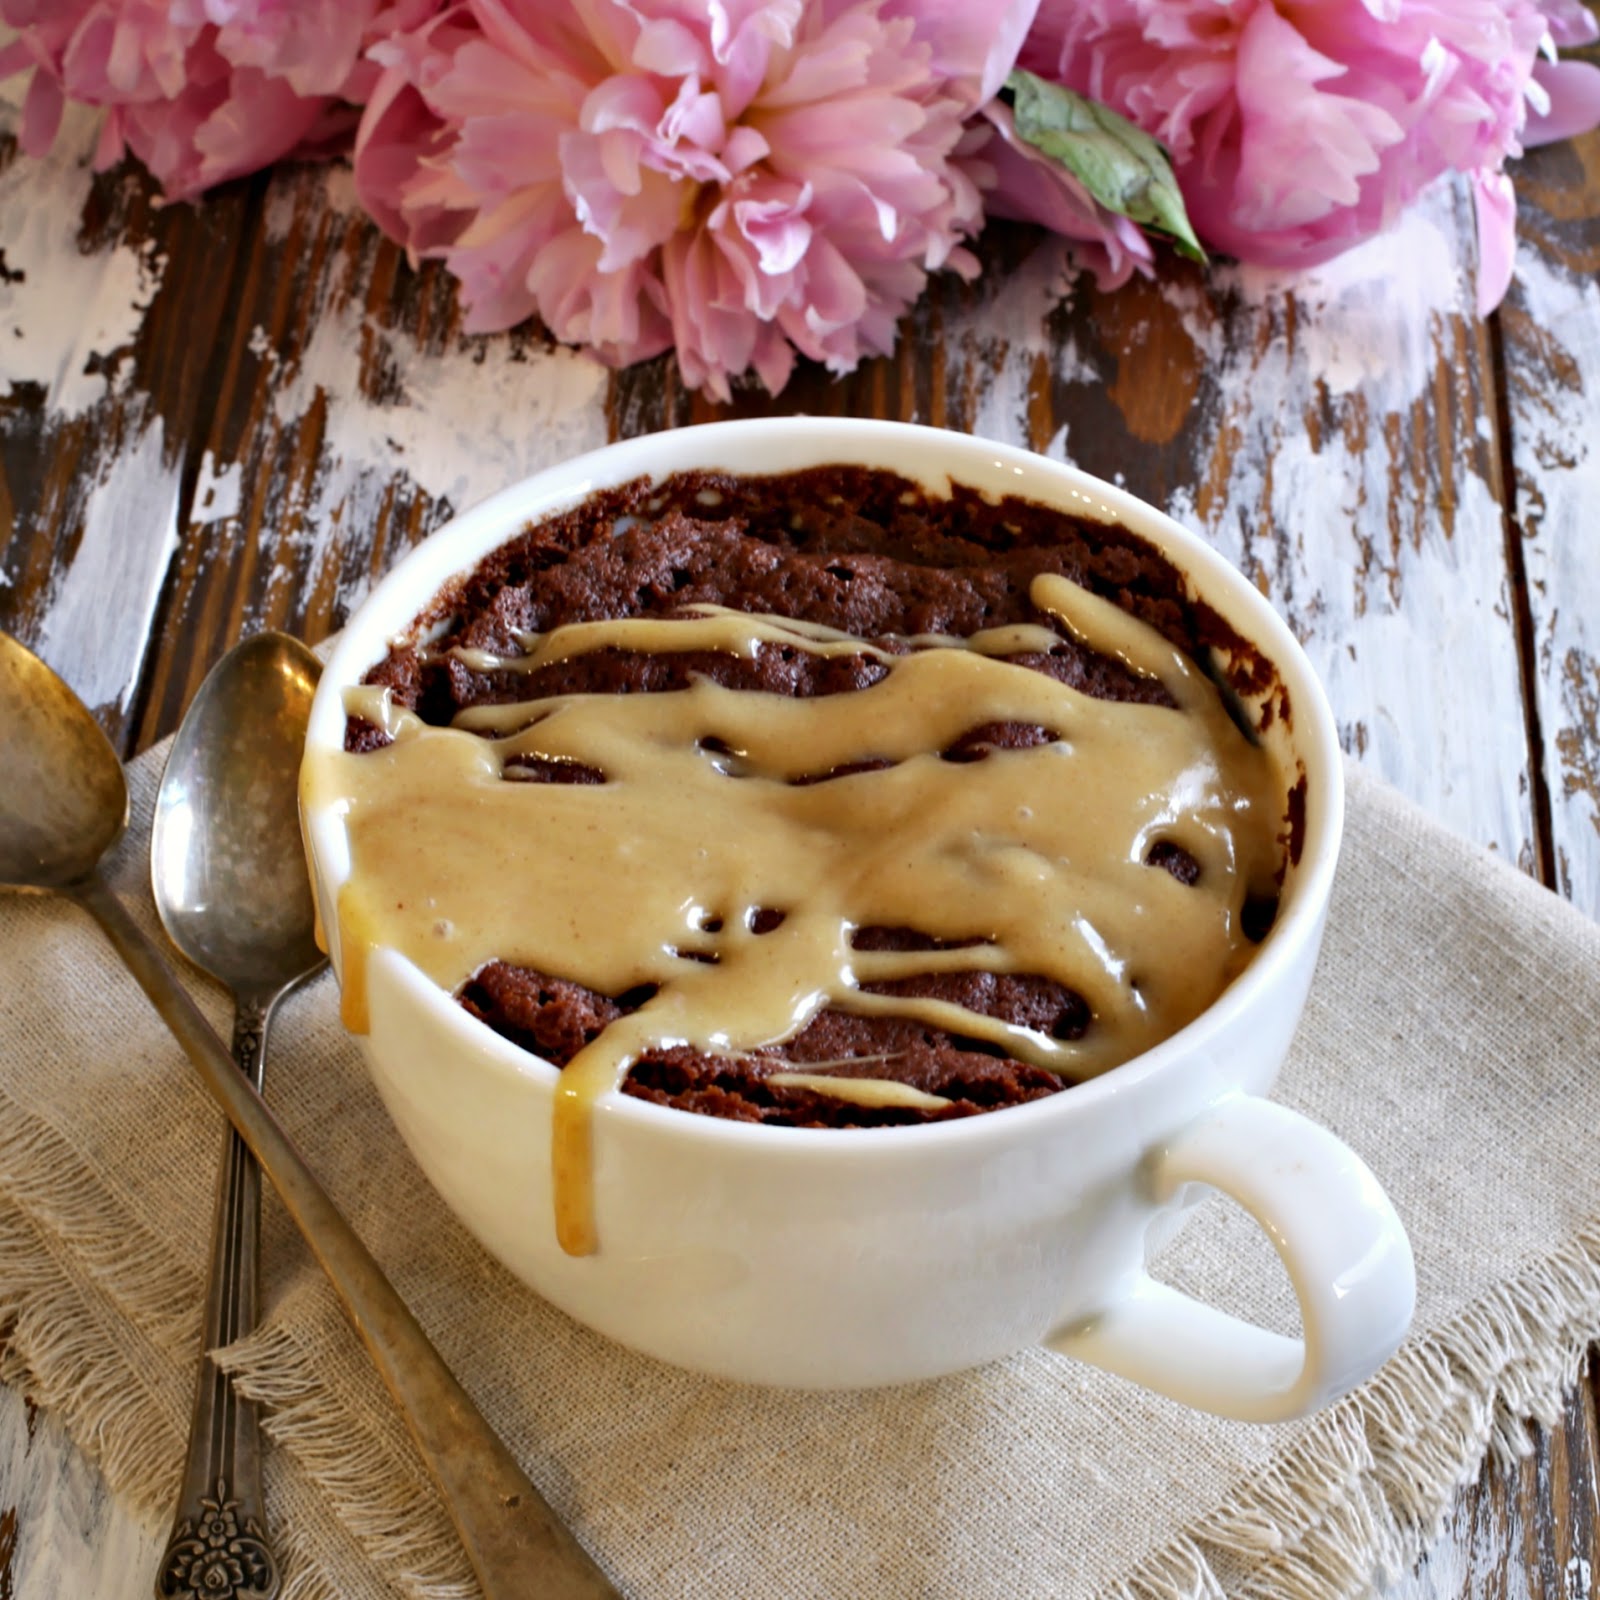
(63, 804)
(231, 889)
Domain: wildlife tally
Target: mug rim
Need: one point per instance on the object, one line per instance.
(456, 547)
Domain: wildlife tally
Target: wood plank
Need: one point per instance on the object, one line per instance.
(1551, 335)
(351, 418)
(62, 1532)
(108, 309)
(1549, 331)
(1338, 460)
(1528, 1531)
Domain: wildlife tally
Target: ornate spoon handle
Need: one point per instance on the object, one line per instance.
(218, 1548)
(516, 1544)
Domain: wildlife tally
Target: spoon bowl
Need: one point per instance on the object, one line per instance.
(66, 797)
(225, 856)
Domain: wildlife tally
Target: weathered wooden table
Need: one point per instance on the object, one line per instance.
(222, 418)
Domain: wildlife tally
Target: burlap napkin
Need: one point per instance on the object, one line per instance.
(1449, 1039)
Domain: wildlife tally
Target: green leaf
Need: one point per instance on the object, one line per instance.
(1119, 164)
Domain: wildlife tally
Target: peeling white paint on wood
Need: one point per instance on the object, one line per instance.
(457, 425)
(1314, 390)
(64, 312)
(217, 491)
(74, 1539)
(1553, 386)
(96, 625)
(1368, 319)
(1395, 584)
(68, 319)
(1001, 336)
(460, 424)
(1473, 1563)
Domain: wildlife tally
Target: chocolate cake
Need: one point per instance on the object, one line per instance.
(878, 571)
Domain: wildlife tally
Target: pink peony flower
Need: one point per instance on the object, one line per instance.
(200, 90)
(1300, 127)
(739, 180)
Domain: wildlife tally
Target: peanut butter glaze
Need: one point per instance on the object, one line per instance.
(1032, 860)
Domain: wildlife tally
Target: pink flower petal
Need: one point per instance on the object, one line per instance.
(15, 57)
(1029, 187)
(974, 43)
(694, 118)
(41, 114)
(669, 49)
(743, 147)
(777, 231)
(1303, 147)
(1573, 88)
(631, 102)
(1571, 21)
(744, 35)
(1496, 208)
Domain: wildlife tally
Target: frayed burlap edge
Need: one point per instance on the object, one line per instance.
(70, 1346)
(43, 1176)
(55, 1348)
(381, 1497)
(1365, 1492)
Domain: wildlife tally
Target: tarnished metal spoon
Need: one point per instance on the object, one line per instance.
(230, 886)
(63, 804)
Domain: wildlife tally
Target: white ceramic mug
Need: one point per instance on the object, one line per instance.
(838, 1258)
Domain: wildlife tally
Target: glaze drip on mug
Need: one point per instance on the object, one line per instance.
(1034, 859)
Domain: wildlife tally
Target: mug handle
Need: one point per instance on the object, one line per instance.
(1347, 1256)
